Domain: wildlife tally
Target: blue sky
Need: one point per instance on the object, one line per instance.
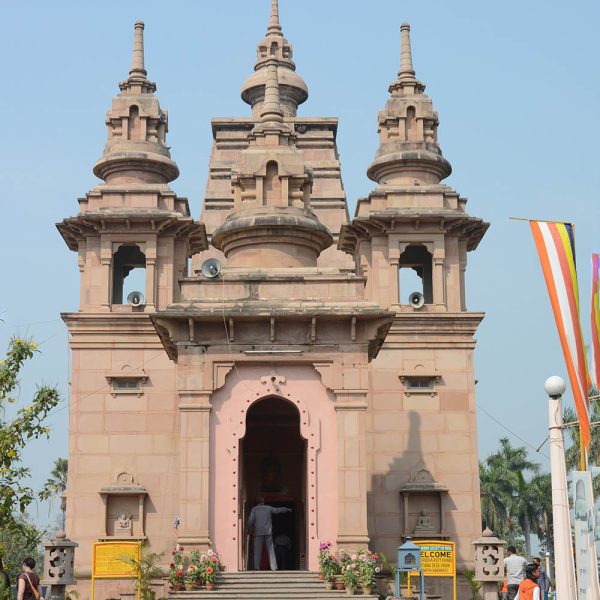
(517, 89)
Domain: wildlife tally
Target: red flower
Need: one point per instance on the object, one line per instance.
(209, 569)
(181, 548)
(172, 565)
(213, 559)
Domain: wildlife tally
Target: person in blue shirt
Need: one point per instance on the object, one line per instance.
(543, 579)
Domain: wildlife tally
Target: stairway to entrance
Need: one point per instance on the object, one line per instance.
(267, 585)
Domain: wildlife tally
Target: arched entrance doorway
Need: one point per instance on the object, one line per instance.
(272, 457)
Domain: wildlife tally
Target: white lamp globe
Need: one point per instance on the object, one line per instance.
(555, 386)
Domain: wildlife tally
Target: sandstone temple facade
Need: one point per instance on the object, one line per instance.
(294, 368)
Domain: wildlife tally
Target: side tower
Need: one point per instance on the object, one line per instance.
(123, 431)
(424, 477)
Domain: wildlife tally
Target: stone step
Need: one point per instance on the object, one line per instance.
(281, 594)
(267, 585)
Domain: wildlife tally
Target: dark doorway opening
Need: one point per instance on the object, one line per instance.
(273, 467)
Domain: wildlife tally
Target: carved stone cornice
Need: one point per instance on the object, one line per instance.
(434, 330)
(447, 221)
(357, 326)
(111, 330)
(92, 223)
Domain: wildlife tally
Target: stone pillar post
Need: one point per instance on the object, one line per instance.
(59, 555)
(194, 463)
(106, 262)
(489, 564)
(439, 296)
(352, 469)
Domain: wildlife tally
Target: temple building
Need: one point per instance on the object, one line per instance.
(270, 349)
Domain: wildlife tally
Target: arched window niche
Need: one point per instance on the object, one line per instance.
(416, 273)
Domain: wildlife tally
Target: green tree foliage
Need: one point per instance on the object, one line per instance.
(572, 451)
(513, 504)
(16, 432)
(57, 484)
(17, 542)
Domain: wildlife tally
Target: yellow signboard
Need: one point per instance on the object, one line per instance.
(437, 558)
(108, 559)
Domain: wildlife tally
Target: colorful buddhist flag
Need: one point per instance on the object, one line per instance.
(596, 319)
(555, 244)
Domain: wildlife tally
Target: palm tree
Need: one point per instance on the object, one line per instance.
(513, 460)
(507, 503)
(57, 484)
(572, 452)
(541, 497)
(495, 494)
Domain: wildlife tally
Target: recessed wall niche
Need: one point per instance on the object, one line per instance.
(123, 505)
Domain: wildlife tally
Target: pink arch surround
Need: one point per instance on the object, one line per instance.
(301, 385)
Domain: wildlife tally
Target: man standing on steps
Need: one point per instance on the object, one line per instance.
(261, 524)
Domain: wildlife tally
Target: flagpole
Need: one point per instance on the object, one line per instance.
(582, 461)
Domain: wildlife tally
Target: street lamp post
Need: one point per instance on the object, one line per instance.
(564, 567)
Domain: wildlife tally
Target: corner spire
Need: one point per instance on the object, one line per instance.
(136, 150)
(271, 109)
(274, 27)
(406, 64)
(409, 153)
(138, 70)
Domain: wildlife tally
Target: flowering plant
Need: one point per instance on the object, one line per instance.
(328, 563)
(177, 566)
(350, 572)
(210, 564)
(194, 571)
(367, 566)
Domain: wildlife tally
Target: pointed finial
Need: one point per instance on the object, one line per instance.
(138, 70)
(406, 64)
(274, 25)
(271, 110)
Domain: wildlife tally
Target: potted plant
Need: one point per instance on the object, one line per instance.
(367, 567)
(176, 569)
(195, 569)
(323, 557)
(191, 577)
(211, 563)
(146, 570)
(209, 577)
(350, 574)
(329, 567)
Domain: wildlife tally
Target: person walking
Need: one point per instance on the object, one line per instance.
(529, 588)
(515, 571)
(28, 583)
(543, 579)
(260, 523)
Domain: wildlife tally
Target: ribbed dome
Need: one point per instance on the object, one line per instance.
(292, 89)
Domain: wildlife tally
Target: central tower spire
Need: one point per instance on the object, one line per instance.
(272, 224)
(274, 25)
(292, 89)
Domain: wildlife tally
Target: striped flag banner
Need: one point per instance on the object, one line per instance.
(596, 319)
(555, 244)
